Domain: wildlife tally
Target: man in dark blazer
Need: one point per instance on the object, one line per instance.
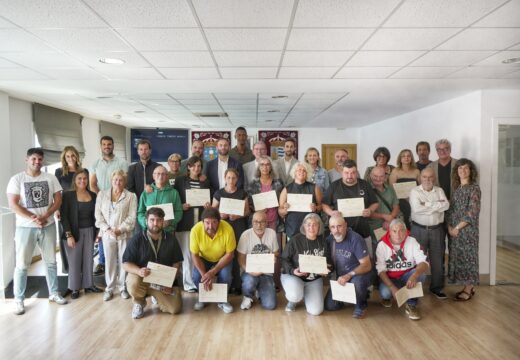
(140, 174)
(216, 168)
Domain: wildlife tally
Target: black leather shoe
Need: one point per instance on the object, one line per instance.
(67, 292)
(93, 289)
(75, 294)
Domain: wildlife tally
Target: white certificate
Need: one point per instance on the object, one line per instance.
(404, 293)
(218, 293)
(231, 206)
(351, 207)
(160, 274)
(402, 189)
(167, 208)
(197, 197)
(299, 202)
(313, 264)
(379, 233)
(345, 293)
(265, 200)
(262, 263)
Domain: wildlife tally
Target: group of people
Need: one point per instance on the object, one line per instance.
(391, 244)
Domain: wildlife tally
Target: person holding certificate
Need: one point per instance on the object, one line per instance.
(162, 194)
(352, 264)
(160, 247)
(260, 240)
(405, 172)
(237, 222)
(300, 285)
(381, 157)
(400, 263)
(190, 216)
(300, 186)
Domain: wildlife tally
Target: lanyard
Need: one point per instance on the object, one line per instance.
(155, 251)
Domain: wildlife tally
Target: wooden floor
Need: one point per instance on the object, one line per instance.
(487, 327)
(508, 265)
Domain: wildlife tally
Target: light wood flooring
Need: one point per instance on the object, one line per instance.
(487, 327)
(508, 265)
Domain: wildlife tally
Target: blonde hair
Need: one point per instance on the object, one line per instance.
(412, 163)
(64, 166)
(306, 166)
(118, 172)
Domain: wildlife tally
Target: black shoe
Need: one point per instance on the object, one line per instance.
(93, 289)
(439, 295)
(75, 294)
(99, 270)
(67, 293)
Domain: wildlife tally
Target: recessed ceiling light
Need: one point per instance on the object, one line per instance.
(511, 61)
(103, 97)
(195, 125)
(117, 116)
(139, 111)
(280, 97)
(273, 111)
(269, 120)
(112, 61)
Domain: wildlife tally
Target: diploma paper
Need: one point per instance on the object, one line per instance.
(313, 264)
(404, 293)
(345, 293)
(231, 206)
(351, 207)
(160, 274)
(263, 263)
(299, 202)
(379, 233)
(218, 293)
(167, 208)
(197, 197)
(265, 200)
(402, 190)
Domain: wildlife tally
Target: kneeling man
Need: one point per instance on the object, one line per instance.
(258, 240)
(158, 246)
(400, 262)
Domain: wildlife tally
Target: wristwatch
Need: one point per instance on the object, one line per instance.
(352, 273)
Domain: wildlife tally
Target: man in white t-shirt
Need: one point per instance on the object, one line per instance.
(258, 240)
(34, 196)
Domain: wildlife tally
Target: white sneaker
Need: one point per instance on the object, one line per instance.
(290, 307)
(226, 307)
(58, 299)
(154, 300)
(19, 308)
(107, 295)
(246, 303)
(124, 294)
(137, 311)
(198, 306)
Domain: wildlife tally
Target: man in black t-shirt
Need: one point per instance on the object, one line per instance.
(351, 187)
(157, 246)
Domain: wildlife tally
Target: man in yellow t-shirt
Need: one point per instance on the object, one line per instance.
(212, 246)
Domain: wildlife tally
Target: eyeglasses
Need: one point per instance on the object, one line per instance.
(256, 222)
(443, 149)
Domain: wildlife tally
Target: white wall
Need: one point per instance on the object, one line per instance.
(5, 148)
(91, 137)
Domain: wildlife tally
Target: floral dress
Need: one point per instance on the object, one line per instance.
(463, 250)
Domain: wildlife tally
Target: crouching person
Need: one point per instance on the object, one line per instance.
(155, 245)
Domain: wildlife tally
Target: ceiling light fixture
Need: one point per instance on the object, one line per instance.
(112, 61)
(139, 111)
(117, 116)
(511, 61)
(273, 111)
(103, 97)
(269, 120)
(280, 97)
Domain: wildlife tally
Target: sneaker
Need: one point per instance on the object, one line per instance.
(124, 294)
(154, 300)
(290, 307)
(359, 313)
(137, 311)
(439, 295)
(198, 306)
(412, 312)
(57, 299)
(246, 303)
(387, 303)
(99, 270)
(107, 295)
(191, 291)
(19, 308)
(226, 307)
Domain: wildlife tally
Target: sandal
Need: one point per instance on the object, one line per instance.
(464, 296)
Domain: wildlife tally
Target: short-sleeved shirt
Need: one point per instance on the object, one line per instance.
(246, 157)
(212, 249)
(36, 195)
(139, 250)
(250, 243)
(348, 252)
(103, 170)
(338, 190)
(391, 199)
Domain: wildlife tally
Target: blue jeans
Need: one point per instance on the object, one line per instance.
(26, 238)
(224, 276)
(265, 286)
(361, 283)
(386, 293)
(101, 259)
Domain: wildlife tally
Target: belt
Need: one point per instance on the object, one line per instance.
(431, 227)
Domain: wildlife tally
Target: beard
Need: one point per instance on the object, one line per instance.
(154, 230)
(338, 237)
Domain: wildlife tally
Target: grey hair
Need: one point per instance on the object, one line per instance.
(443, 141)
(309, 217)
(397, 222)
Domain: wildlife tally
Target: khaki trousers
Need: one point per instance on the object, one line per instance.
(139, 290)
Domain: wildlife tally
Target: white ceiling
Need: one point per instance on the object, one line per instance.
(341, 63)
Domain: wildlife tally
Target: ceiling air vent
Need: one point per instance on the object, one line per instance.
(211, 114)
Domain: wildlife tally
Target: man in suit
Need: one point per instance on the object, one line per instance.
(283, 166)
(250, 168)
(443, 167)
(217, 167)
